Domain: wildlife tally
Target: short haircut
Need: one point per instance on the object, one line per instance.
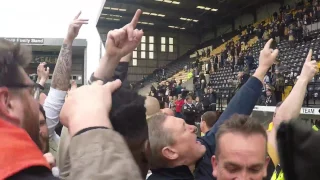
(159, 138)
(12, 56)
(128, 115)
(210, 117)
(189, 97)
(241, 124)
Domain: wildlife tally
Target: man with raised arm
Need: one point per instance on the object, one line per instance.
(60, 82)
(118, 48)
(174, 145)
(290, 109)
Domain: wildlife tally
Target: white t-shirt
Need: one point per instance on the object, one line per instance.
(52, 106)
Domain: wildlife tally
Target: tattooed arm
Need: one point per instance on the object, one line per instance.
(60, 82)
(62, 71)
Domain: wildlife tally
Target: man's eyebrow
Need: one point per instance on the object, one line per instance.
(231, 164)
(256, 165)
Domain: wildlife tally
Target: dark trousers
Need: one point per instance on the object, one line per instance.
(278, 96)
(178, 115)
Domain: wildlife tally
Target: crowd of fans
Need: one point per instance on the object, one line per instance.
(110, 132)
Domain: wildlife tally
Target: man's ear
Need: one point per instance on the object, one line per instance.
(4, 101)
(6, 105)
(170, 153)
(214, 163)
(265, 170)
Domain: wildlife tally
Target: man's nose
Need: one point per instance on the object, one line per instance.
(243, 176)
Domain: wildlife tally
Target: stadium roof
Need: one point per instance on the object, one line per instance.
(185, 15)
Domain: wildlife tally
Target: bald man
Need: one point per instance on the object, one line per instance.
(152, 106)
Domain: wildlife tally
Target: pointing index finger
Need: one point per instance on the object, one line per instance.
(135, 18)
(77, 16)
(309, 56)
(268, 44)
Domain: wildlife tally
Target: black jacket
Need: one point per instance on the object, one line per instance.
(177, 173)
(34, 173)
(190, 113)
(206, 100)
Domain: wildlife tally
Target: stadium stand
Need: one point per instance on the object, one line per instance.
(293, 43)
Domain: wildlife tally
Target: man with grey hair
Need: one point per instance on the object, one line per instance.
(174, 144)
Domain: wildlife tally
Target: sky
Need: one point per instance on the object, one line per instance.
(45, 18)
(50, 19)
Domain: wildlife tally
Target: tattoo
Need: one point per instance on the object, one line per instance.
(62, 71)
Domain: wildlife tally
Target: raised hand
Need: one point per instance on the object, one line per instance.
(310, 68)
(73, 84)
(121, 42)
(88, 102)
(267, 56)
(75, 26)
(43, 73)
(129, 28)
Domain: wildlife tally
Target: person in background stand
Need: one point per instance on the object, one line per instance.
(172, 105)
(278, 84)
(213, 100)
(270, 98)
(179, 103)
(206, 100)
(189, 111)
(200, 109)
